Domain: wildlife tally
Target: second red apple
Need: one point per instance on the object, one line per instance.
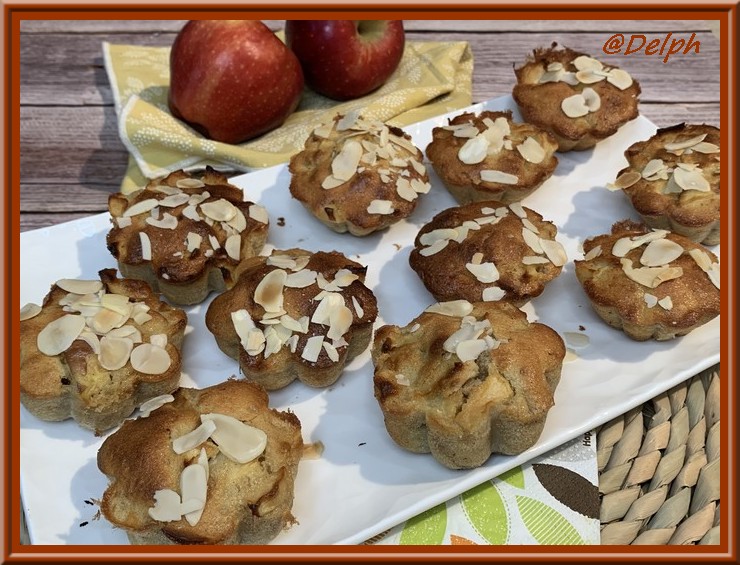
(346, 59)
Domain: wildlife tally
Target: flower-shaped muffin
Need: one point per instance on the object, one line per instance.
(295, 315)
(185, 236)
(673, 181)
(486, 251)
(209, 466)
(491, 157)
(96, 349)
(358, 175)
(650, 284)
(463, 381)
(574, 96)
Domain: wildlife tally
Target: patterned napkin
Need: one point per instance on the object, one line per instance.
(433, 78)
(553, 500)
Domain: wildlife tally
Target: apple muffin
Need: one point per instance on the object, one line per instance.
(652, 284)
(96, 349)
(358, 175)
(295, 315)
(575, 97)
(673, 181)
(490, 157)
(487, 251)
(208, 466)
(463, 381)
(185, 235)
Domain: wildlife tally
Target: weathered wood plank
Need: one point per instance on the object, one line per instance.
(534, 25)
(42, 220)
(60, 69)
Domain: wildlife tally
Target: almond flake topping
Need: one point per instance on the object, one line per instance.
(193, 491)
(258, 213)
(236, 440)
(150, 359)
(581, 104)
(403, 380)
(500, 177)
(474, 150)
(654, 170)
(344, 165)
(220, 210)
(194, 438)
(532, 240)
(531, 150)
(358, 309)
(380, 207)
(168, 222)
(300, 279)
(29, 311)
(434, 248)
(152, 404)
(493, 294)
(535, 260)
(404, 189)
(484, 272)
(705, 264)
(166, 506)
(666, 303)
(650, 277)
(555, 252)
(281, 261)
(692, 179)
(123, 222)
(685, 144)
(470, 350)
(174, 200)
(650, 300)
(625, 244)
(593, 253)
(58, 335)
(79, 286)
(312, 349)
(146, 246)
(625, 180)
(189, 183)
(233, 247)
(141, 207)
(456, 308)
(269, 292)
(660, 252)
(193, 241)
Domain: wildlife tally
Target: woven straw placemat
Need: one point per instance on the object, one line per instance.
(659, 474)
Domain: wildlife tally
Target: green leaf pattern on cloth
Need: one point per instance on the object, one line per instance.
(487, 513)
(547, 525)
(428, 528)
(433, 78)
(515, 477)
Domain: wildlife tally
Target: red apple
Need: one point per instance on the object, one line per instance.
(346, 59)
(232, 80)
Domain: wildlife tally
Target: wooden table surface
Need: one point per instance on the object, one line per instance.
(72, 158)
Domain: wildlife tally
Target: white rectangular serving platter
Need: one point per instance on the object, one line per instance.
(363, 483)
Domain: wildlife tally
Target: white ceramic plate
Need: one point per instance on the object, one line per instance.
(363, 483)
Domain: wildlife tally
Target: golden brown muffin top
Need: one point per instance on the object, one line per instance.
(573, 94)
(101, 340)
(358, 174)
(486, 251)
(491, 151)
(675, 173)
(651, 277)
(459, 363)
(185, 226)
(150, 461)
(294, 308)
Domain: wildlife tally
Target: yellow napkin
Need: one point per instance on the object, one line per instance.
(433, 78)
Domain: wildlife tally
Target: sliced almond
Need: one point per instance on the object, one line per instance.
(515, 207)
(477, 258)
(233, 246)
(576, 340)
(555, 252)
(269, 292)
(660, 252)
(593, 253)
(168, 222)
(300, 279)
(78, 286)
(259, 214)
(358, 309)
(189, 183)
(114, 352)
(589, 77)
(404, 189)
(535, 260)
(653, 166)
(29, 311)
(619, 78)
(194, 438)
(153, 404)
(329, 302)
(474, 150)
(193, 491)
(420, 187)
(440, 234)
(493, 294)
(456, 308)
(591, 99)
(312, 349)
(174, 200)
(485, 272)
(650, 277)
(213, 240)
(705, 147)
(434, 248)
(141, 207)
(574, 106)
(685, 143)
(340, 320)
(625, 180)
(500, 177)
(625, 244)
(380, 207)
(531, 150)
(530, 226)
(344, 165)
(150, 359)
(650, 300)
(532, 240)
(166, 506)
(238, 222)
(691, 180)
(58, 335)
(160, 340)
(470, 350)
(402, 380)
(348, 120)
(193, 241)
(705, 264)
(666, 303)
(123, 222)
(586, 63)
(146, 246)
(331, 351)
